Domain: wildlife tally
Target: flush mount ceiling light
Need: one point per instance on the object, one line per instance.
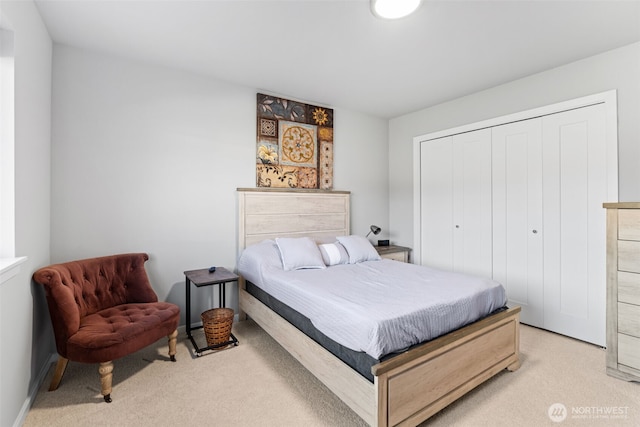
(394, 9)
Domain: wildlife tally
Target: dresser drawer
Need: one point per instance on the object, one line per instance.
(629, 351)
(629, 319)
(629, 287)
(629, 224)
(629, 256)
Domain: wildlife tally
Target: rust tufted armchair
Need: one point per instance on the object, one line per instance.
(103, 309)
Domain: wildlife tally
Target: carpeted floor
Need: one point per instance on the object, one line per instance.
(259, 384)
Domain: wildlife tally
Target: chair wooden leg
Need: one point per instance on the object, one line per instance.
(173, 339)
(106, 377)
(61, 366)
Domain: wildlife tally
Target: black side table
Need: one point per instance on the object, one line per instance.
(201, 278)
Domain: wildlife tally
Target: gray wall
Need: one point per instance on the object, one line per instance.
(148, 159)
(25, 332)
(126, 156)
(114, 155)
(617, 69)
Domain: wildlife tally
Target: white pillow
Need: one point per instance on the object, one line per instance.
(298, 253)
(359, 248)
(333, 253)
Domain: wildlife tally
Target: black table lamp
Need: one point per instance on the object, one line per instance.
(374, 229)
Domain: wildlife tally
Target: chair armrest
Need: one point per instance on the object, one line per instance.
(63, 307)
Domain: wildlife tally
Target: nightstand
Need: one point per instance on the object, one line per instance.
(396, 253)
(201, 278)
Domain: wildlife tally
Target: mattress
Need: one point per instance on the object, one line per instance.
(376, 307)
(359, 361)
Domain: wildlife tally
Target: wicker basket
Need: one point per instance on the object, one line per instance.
(217, 324)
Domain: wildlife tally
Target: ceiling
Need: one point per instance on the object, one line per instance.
(337, 54)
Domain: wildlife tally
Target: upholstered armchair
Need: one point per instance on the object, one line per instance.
(103, 309)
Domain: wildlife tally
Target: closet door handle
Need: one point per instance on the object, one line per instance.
(535, 231)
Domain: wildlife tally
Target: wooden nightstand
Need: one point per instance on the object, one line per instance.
(396, 253)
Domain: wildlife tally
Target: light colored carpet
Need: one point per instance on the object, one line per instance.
(259, 384)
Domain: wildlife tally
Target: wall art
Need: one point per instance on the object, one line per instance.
(294, 144)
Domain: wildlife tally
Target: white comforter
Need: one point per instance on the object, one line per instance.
(378, 307)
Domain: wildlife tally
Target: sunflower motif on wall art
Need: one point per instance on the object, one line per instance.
(320, 116)
(289, 141)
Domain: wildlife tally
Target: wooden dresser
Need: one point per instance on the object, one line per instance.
(623, 290)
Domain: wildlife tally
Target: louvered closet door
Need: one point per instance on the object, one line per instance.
(574, 187)
(517, 216)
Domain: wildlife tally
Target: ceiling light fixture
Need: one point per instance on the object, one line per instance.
(394, 9)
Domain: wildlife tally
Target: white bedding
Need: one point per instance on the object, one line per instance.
(378, 307)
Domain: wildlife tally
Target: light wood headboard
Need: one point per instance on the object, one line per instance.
(266, 213)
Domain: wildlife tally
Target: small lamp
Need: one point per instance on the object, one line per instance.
(374, 229)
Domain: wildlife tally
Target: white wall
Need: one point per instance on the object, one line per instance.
(617, 69)
(148, 159)
(24, 320)
(361, 166)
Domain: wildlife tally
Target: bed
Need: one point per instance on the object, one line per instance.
(405, 389)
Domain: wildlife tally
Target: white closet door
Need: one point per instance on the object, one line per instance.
(574, 188)
(472, 234)
(436, 201)
(517, 216)
(456, 203)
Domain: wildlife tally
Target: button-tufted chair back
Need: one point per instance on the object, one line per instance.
(77, 289)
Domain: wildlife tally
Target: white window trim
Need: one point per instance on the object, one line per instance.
(9, 267)
(9, 263)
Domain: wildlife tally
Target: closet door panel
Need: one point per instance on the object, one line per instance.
(456, 203)
(472, 203)
(517, 216)
(574, 186)
(437, 203)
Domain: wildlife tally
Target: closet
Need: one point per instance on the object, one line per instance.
(520, 201)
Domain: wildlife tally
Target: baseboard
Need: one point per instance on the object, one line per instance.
(22, 415)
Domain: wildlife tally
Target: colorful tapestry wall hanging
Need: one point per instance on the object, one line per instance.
(294, 145)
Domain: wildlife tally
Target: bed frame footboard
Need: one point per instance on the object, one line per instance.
(414, 385)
